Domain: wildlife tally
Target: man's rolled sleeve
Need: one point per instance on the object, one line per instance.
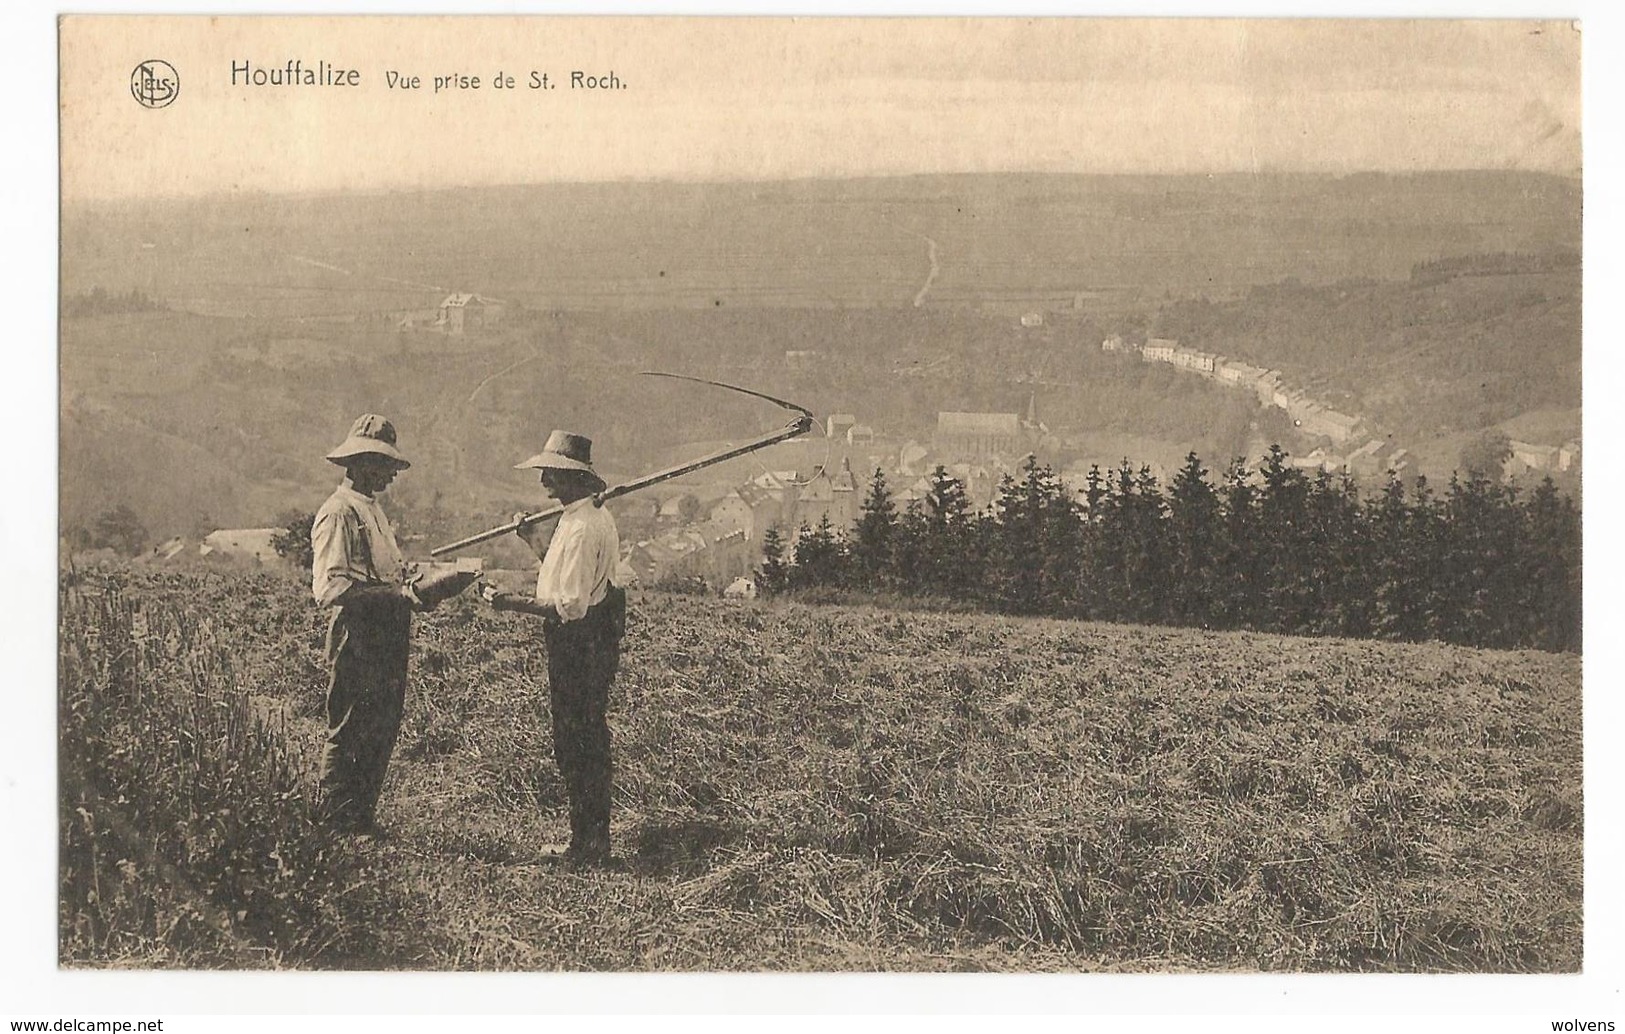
(331, 569)
(571, 595)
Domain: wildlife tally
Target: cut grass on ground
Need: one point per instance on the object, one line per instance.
(844, 788)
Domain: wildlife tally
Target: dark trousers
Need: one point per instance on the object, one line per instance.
(582, 658)
(366, 695)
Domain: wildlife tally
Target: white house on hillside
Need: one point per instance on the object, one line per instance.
(463, 311)
(243, 543)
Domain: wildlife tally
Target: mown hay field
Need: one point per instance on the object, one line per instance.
(840, 788)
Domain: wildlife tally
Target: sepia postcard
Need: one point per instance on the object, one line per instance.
(1081, 497)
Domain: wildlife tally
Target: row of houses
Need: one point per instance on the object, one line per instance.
(1309, 415)
(1377, 453)
(978, 449)
(237, 545)
(1548, 458)
(1375, 457)
(726, 543)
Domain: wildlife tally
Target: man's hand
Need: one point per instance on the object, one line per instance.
(498, 599)
(527, 532)
(410, 594)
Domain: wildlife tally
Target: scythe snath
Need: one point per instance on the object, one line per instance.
(802, 424)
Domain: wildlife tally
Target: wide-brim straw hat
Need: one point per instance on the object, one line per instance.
(370, 435)
(563, 451)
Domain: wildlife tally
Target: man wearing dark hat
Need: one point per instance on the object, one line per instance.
(583, 616)
(357, 569)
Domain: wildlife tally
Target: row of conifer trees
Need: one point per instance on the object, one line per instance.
(1484, 563)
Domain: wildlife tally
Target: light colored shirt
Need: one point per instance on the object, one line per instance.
(352, 543)
(580, 560)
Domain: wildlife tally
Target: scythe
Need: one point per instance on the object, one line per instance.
(802, 424)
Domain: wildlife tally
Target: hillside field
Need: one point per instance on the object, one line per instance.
(267, 323)
(805, 787)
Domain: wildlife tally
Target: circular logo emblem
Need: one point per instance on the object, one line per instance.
(154, 84)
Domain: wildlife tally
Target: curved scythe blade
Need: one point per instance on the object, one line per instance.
(734, 387)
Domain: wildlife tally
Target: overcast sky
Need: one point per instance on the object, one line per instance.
(776, 98)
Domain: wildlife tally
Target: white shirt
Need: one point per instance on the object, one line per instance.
(580, 560)
(351, 543)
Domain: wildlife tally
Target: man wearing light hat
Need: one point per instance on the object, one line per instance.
(583, 616)
(357, 569)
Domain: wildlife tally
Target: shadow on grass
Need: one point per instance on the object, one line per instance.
(682, 848)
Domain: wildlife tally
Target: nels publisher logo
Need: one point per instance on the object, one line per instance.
(154, 84)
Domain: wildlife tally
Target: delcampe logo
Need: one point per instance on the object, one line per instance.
(155, 83)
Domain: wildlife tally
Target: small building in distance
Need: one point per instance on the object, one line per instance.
(241, 543)
(733, 512)
(714, 552)
(1159, 350)
(1568, 455)
(1316, 419)
(1367, 459)
(1201, 362)
(976, 436)
(751, 509)
(826, 495)
(1535, 457)
(911, 459)
(1266, 385)
(166, 550)
(461, 312)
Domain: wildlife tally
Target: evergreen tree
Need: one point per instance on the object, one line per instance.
(910, 541)
(1194, 527)
(1551, 569)
(1427, 540)
(1291, 599)
(950, 557)
(946, 504)
(1014, 563)
(1395, 577)
(1091, 596)
(773, 575)
(1130, 547)
(1063, 542)
(1151, 558)
(1240, 580)
(1113, 541)
(872, 544)
(1034, 552)
(820, 556)
(1481, 583)
(1335, 591)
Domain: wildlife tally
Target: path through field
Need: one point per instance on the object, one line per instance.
(931, 277)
